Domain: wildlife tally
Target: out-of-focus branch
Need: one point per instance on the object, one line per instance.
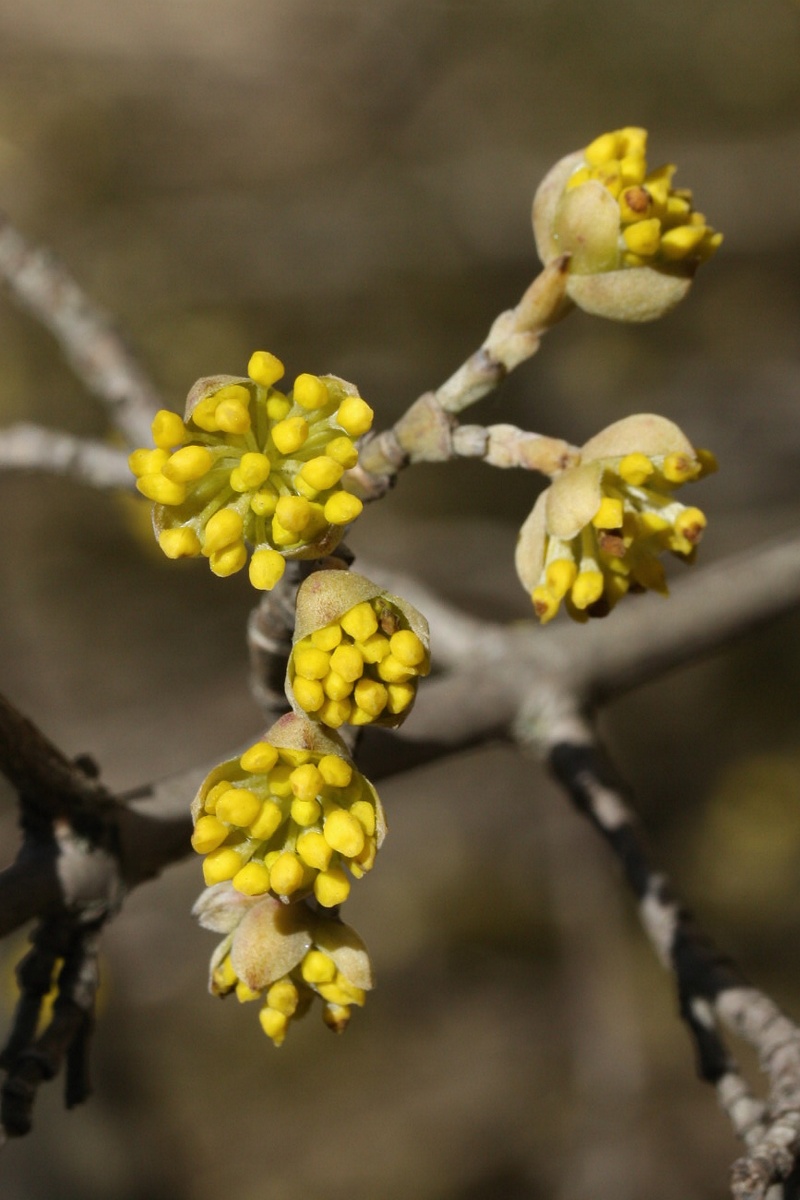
(711, 991)
(26, 447)
(88, 337)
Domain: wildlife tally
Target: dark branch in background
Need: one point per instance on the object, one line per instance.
(82, 850)
(711, 991)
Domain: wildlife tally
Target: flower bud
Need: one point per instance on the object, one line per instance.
(358, 652)
(598, 530)
(635, 241)
(289, 815)
(251, 458)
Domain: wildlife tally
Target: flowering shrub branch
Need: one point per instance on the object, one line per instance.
(268, 478)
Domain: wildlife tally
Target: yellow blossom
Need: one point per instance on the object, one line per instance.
(597, 532)
(611, 213)
(250, 466)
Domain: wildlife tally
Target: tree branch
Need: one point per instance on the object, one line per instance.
(26, 447)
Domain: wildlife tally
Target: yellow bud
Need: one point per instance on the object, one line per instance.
(168, 429)
(682, 241)
(310, 392)
(375, 648)
(274, 1024)
(306, 781)
(238, 806)
(650, 523)
(252, 880)
(259, 758)
(400, 696)
(335, 687)
(328, 638)
(316, 967)
(290, 434)
(336, 771)
(187, 464)
(391, 670)
(355, 416)
(266, 569)
(690, 524)
(214, 793)
(223, 529)
(678, 468)
(348, 662)
(314, 850)
(243, 992)
(343, 832)
(331, 887)
(371, 696)
(341, 992)
(228, 560)
(264, 503)
(634, 204)
(560, 575)
(587, 589)
(643, 237)
(334, 713)
(161, 489)
(602, 149)
(342, 450)
(407, 648)
(322, 473)
(308, 693)
(204, 414)
(635, 469)
(364, 813)
(278, 407)
(147, 462)
(286, 874)
(252, 471)
(220, 865)
(360, 621)
(264, 368)
(342, 508)
(283, 996)
(209, 833)
(293, 513)
(267, 822)
(336, 1017)
(279, 784)
(305, 812)
(225, 978)
(310, 663)
(179, 543)
(232, 416)
(609, 514)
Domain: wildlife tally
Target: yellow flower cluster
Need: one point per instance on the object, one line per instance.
(657, 223)
(285, 956)
(360, 668)
(288, 821)
(597, 532)
(252, 465)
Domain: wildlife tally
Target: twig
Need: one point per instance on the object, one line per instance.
(26, 447)
(88, 337)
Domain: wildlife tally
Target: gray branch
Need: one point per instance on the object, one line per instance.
(26, 447)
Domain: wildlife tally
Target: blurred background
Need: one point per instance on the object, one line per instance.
(348, 184)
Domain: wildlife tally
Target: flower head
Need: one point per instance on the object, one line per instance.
(598, 530)
(358, 652)
(285, 956)
(288, 816)
(252, 465)
(635, 241)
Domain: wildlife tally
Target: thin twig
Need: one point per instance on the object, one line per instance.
(26, 447)
(88, 337)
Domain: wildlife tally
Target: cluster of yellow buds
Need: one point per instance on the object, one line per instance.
(249, 464)
(358, 652)
(285, 956)
(597, 531)
(604, 207)
(288, 816)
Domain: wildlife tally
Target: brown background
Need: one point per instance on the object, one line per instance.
(348, 185)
